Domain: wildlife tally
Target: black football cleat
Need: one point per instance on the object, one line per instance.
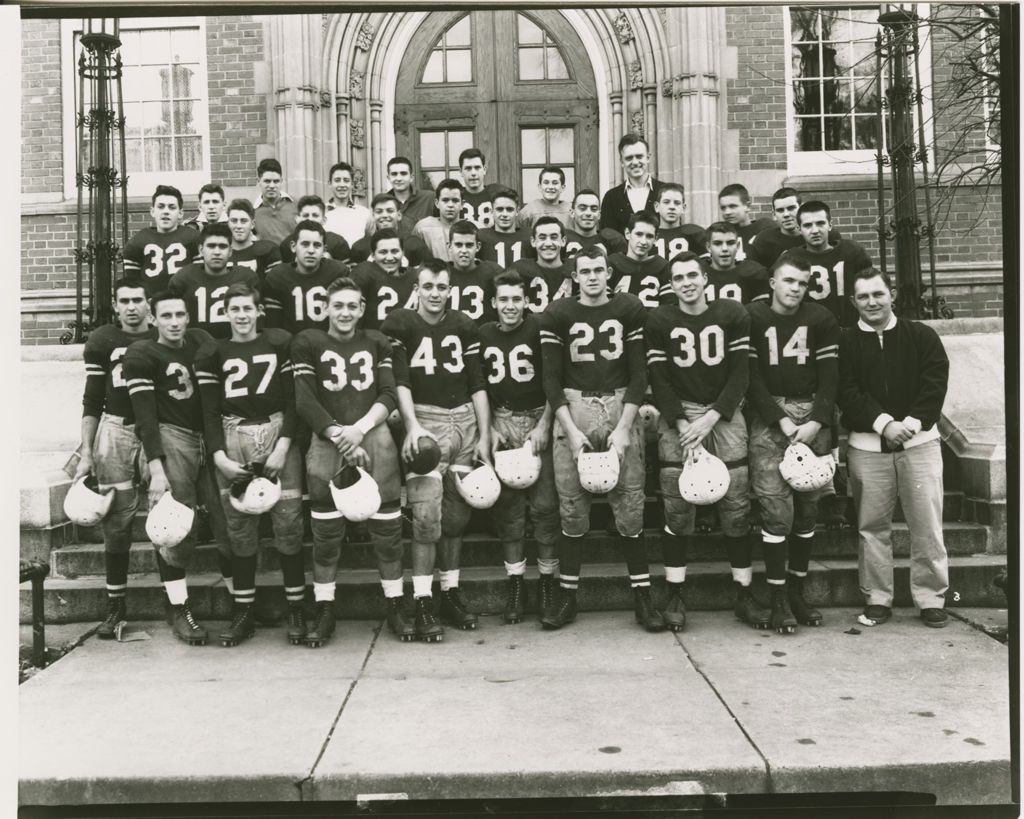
(241, 627)
(514, 603)
(644, 611)
(563, 612)
(674, 612)
(117, 615)
(748, 610)
(185, 626)
(428, 629)
(783, 620)
(297, 626)
(399, 623)
(453, 611)
(804, 614)
(548, 595)
(322, 626)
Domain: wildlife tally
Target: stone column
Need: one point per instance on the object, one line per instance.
(617, 132)
(375, 160)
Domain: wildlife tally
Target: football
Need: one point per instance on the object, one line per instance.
(428, 458)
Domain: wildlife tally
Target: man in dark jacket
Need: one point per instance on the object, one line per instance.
(893, 375)
(638, 192)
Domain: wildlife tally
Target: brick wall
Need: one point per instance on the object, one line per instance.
(42, 161)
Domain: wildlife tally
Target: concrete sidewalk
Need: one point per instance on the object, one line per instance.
(510, 711)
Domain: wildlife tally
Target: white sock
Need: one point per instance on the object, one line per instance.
(515, 568)
(421, 584)
(229, 584)
(323, 592)
(675, 574)
(547, 565)
(392, 588)
(177, 591)
(743, 576)
(449, 579)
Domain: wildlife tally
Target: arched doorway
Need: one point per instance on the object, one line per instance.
(516, 85)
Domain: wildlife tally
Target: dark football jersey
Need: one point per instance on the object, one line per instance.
(744, 282)
(512, 364)
(383, 292)
(698, 358)
(793, 356)
(594, 348)
(471, 290)
(439, 363)
(338, 381)
(204, 295)
(544, 284)
(505, 249)
(297, 301)
(606, 238)
(832, 277)
(477, 207)
(106, 388)
(259, 257)
(747, 235)
(154, 257)
(335, 247)
(647, 279)
(671, 241)
(413, 251)
(164, 388)
(769, 244)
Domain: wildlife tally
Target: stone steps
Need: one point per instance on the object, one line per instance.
(831, 583)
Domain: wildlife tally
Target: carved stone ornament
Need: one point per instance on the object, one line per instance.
(663, 14)
(666, 88)
(365, 37)
(358, 131)
(636, 75)
(325, 99)
(624, 29)
(325, 20)
(355, 84)
(636, 122)
(359, 183)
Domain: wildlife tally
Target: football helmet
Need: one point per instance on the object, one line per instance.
(427, 459)
(704, 479)
(84, 504)
(518, 468)
(355, 492)
(256, 495)
(169, 522)
(649, 416)
(805, 471)
(598, 471)
(480, 488)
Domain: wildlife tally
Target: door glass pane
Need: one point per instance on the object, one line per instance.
(154, 46)
(458, 141)
(531, 63)
(529, 32)
(555, 65)
(458, 35)
(546, 146)
(460, 68)
(185, 45)
(560, 146)
(432, 153)
(434, 71)
(439, 153)
(570, 183)
(533, 149)
(451, 58)
(435, 178)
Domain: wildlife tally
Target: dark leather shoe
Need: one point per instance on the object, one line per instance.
(934, 618)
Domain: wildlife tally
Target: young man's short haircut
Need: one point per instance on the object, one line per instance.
(551, 169)
(242, 290)
(785, 260)
(673, 187)
(472, 153)
(383, 234)
(400, 160)
(547, 220)
(644, 216)
(684, 256)
(449, 185)
(628, 140)
(211, 187)
(268, 165)
(164, 295)
(814, 206)
(509, 278)
(435, 266)
(167, 190)
(785, 193)
(338, 166)
(310, 199)
(381, 198)
(585, 192)
(505, 193)
(463, 227)
(309, 224)
(735, 190)
(214, 229)
(130, 284)
(243, 205)
(343, 283)
(870, 273)
(592, 252)
(723, 227)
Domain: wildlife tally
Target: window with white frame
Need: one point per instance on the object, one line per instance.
(832, 88)
(164, 88)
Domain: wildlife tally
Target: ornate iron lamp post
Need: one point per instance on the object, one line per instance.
(100, 178)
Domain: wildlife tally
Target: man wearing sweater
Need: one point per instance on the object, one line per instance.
(893, 375)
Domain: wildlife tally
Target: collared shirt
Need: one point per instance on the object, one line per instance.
(350, 221)
(277, 221)
(638, 193)
(867, 328)
(419, 205)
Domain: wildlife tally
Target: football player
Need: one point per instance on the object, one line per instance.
(204, 285)
(697, 356)
(583, 231)
(504, 243)
(441, 395)
(387, 214)
(345, 389)
(414, 204)
(211, 207)
(772, 242)
(434, 230)
(638, 192)
(110, 448)
(476, 196)
(674, 236)
(520, 415)
(794, 376)
(295, 296)
(312, 208)
(344, 216)
(552, 186)
(729, 278)
(154, 254)
(249, 405)
(163, 388)
(385, 282)
(594, 380)
(734, 205)
(638, 270)
(258, 255)
(470, 278)
(275, 210)
(547, 277)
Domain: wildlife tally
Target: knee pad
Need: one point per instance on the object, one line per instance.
(386, 536)
(287, 520)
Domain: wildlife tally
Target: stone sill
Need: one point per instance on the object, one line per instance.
(849, 182)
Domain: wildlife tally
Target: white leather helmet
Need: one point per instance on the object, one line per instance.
(599, 471)
(649, 416)
(169, 522)
(805, 471)
(255, 496)
(480, 488)
(518, 468)
(355, 492)
(84, 504)
(704, 479)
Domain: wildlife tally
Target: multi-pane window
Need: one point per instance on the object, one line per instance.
(538, 57)
(540, 146)
(439, 154)
(451, 60)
